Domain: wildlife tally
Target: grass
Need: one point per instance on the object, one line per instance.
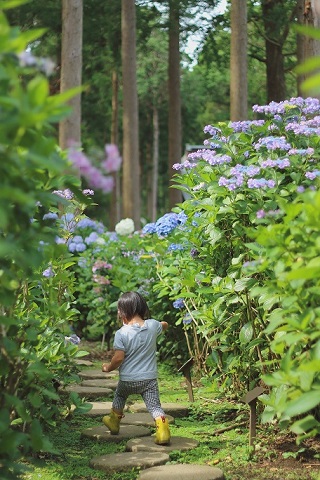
(276, 456)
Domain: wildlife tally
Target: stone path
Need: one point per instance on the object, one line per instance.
(141, 451)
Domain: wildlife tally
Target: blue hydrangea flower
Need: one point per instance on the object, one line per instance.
(77, 239)
(164, 225)
(175, 246)
(149, 228)
(179, 303)
(187, 319)
(50, 216)
(81, 247)
(92, 238)
(72, 247)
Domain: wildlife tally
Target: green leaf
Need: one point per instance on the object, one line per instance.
(311, 83)
(304, 425)
(308, 31)
(38, 91)
(246, 333)
(309, 65)
(7, 4)
(306, 402)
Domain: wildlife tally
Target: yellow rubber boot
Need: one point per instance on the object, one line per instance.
(163, 431)
(112, 421)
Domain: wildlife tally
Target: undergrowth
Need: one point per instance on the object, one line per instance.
(276, 454)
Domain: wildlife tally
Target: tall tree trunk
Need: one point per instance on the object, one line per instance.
(155, 164)
(115, 201)
(307, 47)
(174, 123)
(131, 166)
(238, 61)
(71, 69)
(276, 87)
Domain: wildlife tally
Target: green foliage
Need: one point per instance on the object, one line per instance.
(248, 268)
(36, 284)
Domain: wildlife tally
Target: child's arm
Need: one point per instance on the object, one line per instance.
(116, 361)
(165, 325)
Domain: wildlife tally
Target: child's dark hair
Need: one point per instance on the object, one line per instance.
(131, 304)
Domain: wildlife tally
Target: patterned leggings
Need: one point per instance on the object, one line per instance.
(149, 391)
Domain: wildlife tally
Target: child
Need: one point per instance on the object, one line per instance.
(135, 354)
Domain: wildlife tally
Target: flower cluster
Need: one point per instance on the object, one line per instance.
(101, 264)
(45, 65)
(179, 303)
(164, 225)
(175, 246)
(210, 156)
(307, 106)
(93, 175)
(280, 163)
(273, 143)
(125, 227)
(270, 213)
(246, 126)
(48, 272)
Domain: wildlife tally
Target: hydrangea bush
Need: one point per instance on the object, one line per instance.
(246, 271)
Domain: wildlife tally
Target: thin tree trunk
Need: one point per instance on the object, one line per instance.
(155, 164)
(276, 87)
(174, 123)
(71, 69)
(131, 166)
(115, 201)
(238, 61)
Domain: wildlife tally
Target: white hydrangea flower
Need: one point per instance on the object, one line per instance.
(125, 227)
(100, 241)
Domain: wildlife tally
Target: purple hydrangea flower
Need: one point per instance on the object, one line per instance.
(260, 183)
(272, 143)
(260, 214)
(312, 175)
(48, 272)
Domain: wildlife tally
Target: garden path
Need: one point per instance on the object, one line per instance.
(141, 451)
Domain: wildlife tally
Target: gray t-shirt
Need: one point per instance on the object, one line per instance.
(140, 347)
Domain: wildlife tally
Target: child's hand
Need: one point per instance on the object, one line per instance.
(105, 367)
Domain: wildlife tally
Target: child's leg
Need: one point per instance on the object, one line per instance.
(112, 421)
(152, 400)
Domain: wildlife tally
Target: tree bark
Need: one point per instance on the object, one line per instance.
(155, 164)
(174, 121)
(131, 165)
(276, 87)
(307, 47)
(115, 201)
(71, 69)
(238, 61)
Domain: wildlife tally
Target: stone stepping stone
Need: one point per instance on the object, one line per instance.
(182, 472)
(96, 373)
(173, 409)
(102, 434)
(100, 382)
(99, 408)
(122, 462)
(147, 445)
(87, 392)
(142, 419)
(86, 363)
